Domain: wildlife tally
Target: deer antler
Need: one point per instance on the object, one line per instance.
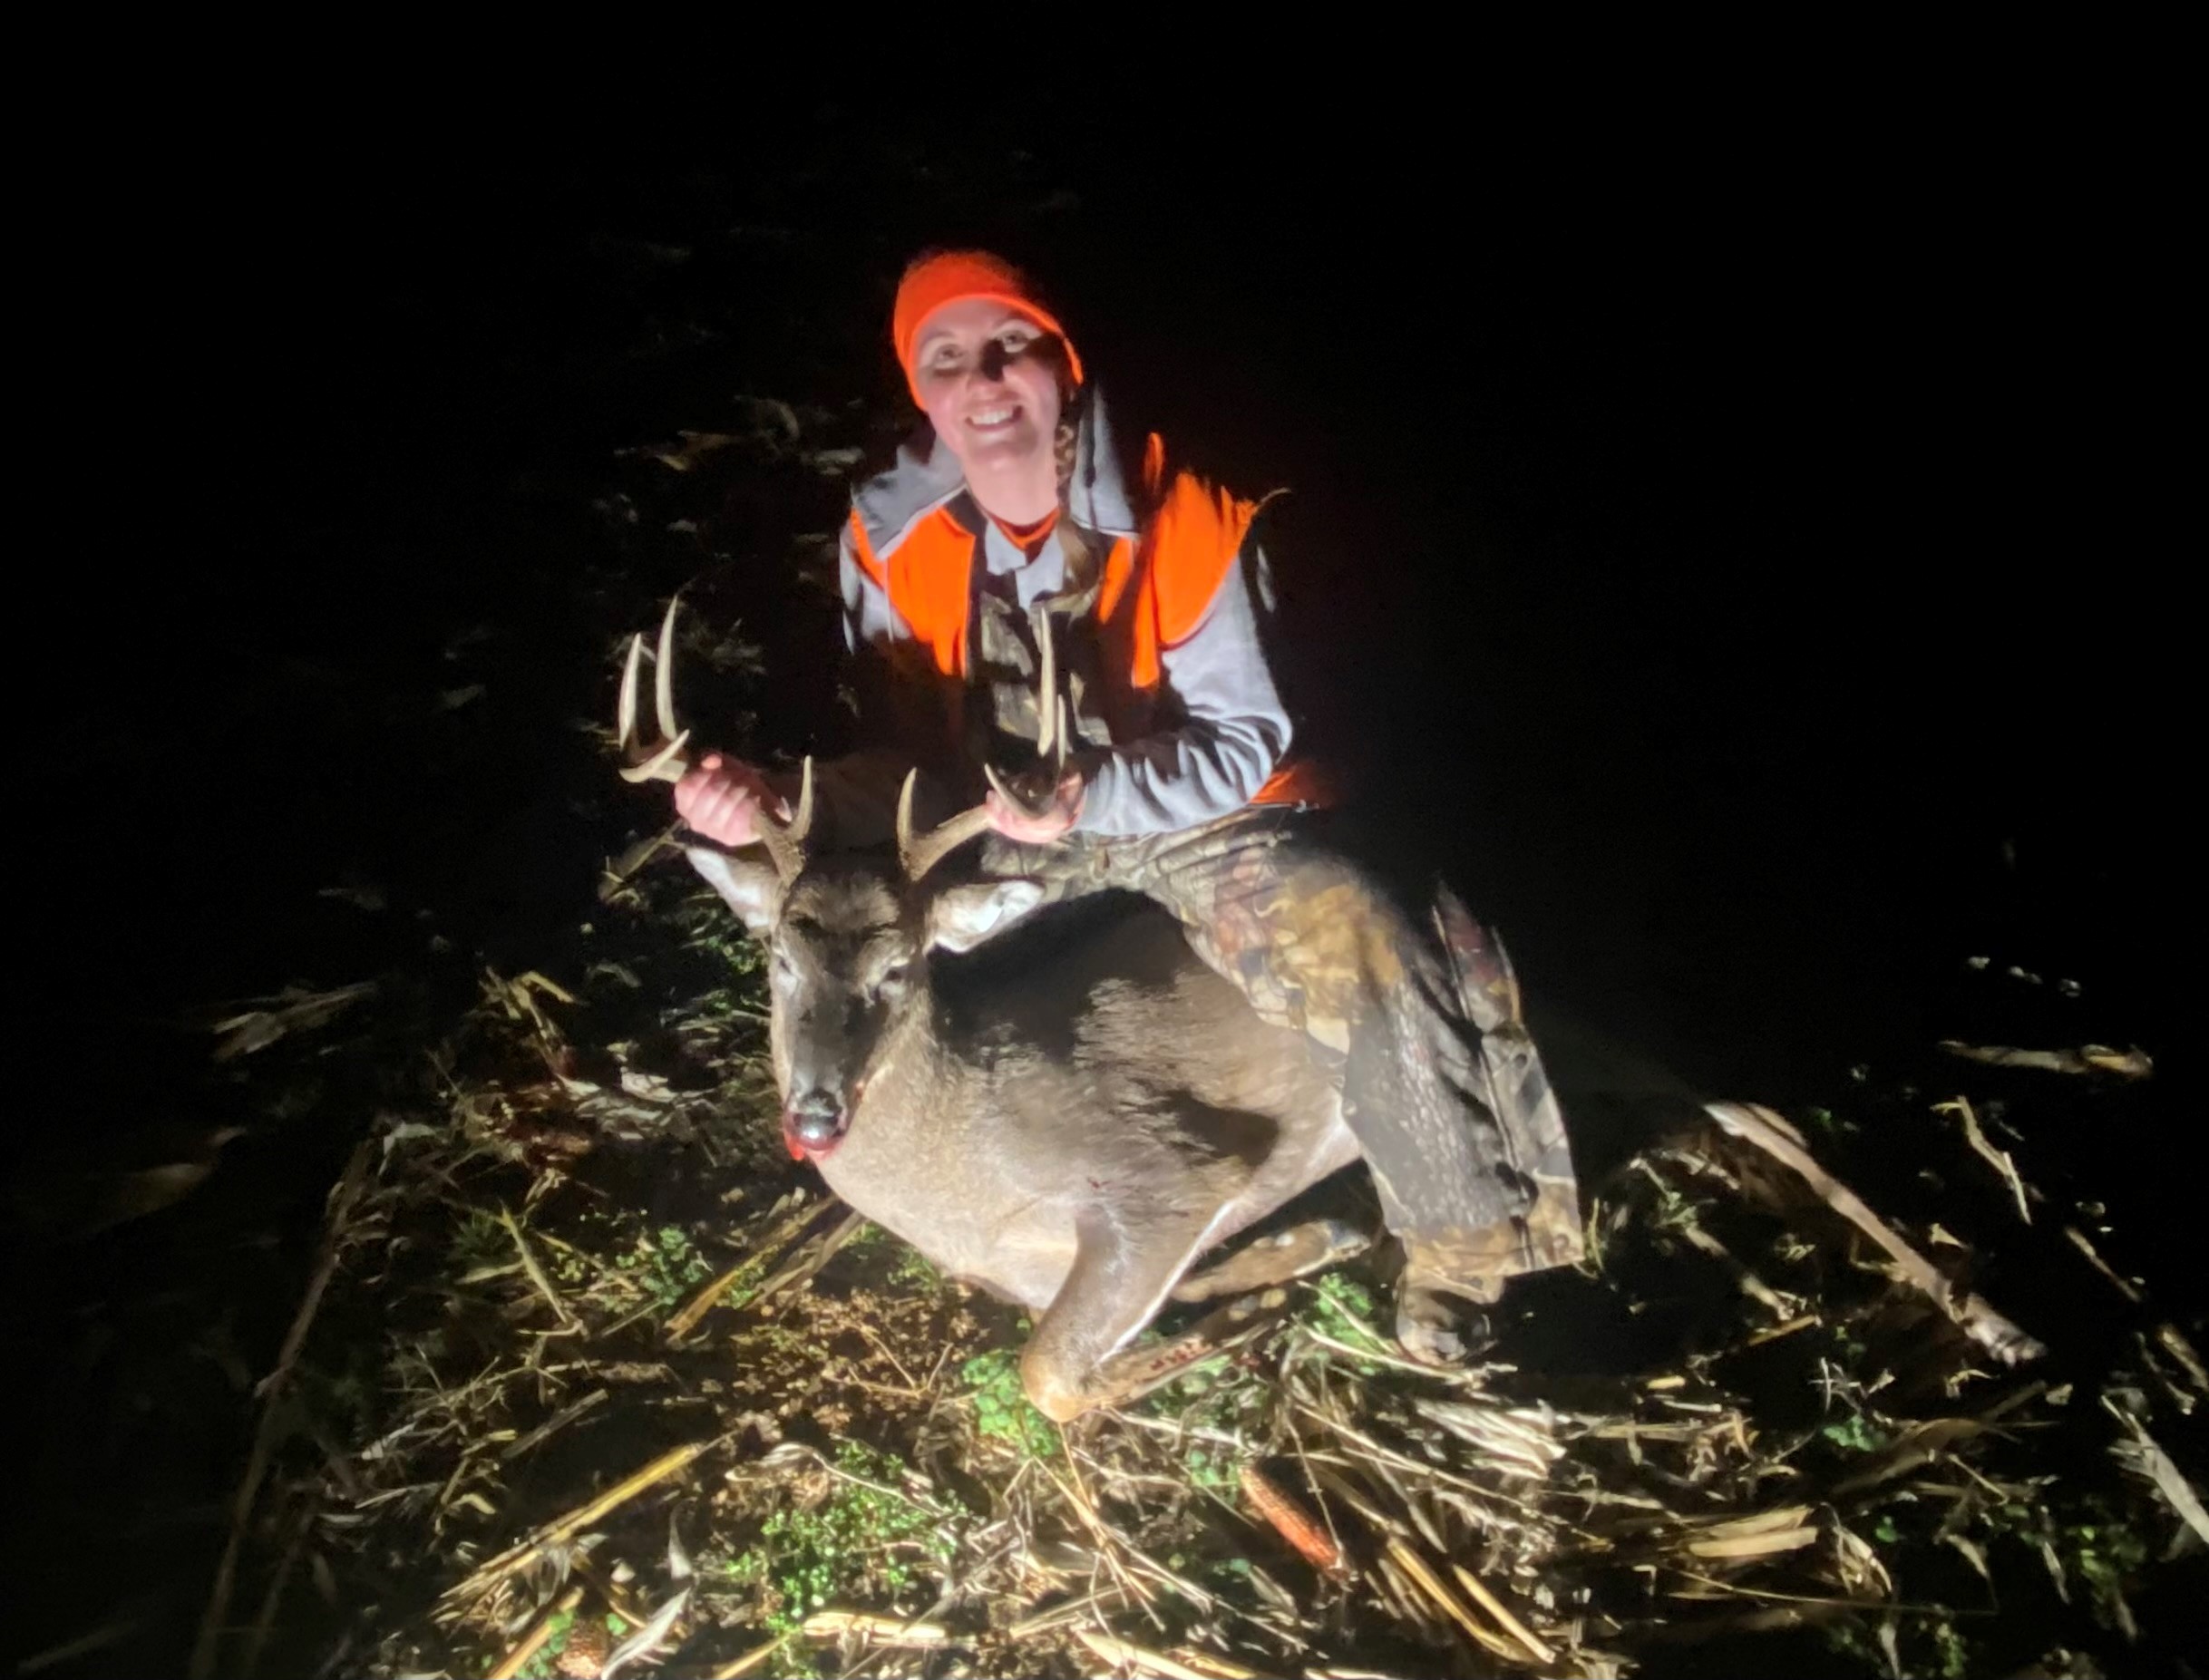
(786, 840)
(921, 853)
(666, 762)
(1052, 727)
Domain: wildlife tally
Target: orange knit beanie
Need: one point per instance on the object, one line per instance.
(952, 277)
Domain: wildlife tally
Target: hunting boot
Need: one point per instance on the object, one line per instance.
(1442, 1316)
(1451, 1275)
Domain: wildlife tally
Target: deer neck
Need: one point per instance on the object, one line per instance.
(904, 1068)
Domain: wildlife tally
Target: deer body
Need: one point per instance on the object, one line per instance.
(1115, 1076)
(1072, 1115)
(1067, 1118)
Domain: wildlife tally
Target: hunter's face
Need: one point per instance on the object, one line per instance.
(989, 378)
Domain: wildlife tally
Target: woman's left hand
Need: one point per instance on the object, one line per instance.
(1064, 811)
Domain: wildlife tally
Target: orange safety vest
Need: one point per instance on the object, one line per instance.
(1153, 593)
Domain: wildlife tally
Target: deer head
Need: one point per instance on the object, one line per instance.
(847, 935)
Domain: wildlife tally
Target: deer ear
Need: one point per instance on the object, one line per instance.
(753, 890)
(961, 917)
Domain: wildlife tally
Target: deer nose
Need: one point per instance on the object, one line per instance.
(816, 1119)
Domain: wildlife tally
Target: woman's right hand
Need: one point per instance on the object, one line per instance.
(720, 798)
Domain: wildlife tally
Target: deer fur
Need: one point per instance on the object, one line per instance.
(1069, 1118)
(1074, 1116)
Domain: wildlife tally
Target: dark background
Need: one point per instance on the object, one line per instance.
(1734, 542)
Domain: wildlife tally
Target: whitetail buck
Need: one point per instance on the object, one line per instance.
(1074, 1116)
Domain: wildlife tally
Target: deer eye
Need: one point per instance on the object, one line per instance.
(890, 982)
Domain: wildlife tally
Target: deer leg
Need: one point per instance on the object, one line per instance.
(1755, 1125)
(1124, 1270)
(1135, 1372)
(1276, 1259)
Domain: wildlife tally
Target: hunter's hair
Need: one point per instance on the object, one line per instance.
(1081, 548)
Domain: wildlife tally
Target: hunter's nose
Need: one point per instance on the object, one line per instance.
(816, 1119)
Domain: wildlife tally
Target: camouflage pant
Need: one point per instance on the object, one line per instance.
(1441, 1085)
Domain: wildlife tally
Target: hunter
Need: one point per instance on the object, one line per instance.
(1010, 514)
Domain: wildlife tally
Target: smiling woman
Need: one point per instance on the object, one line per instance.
(1024, 598)
(995, 384)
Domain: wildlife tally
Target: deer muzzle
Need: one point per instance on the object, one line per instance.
(814, 1123)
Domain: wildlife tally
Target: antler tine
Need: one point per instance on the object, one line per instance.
(663, 679)
(666, 761)
(1048, 736)
(625, 708)
(922, 853)
(785, 841)
(1052, 724)
(802, 820)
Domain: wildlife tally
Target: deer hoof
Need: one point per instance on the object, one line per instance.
(1049, 1390)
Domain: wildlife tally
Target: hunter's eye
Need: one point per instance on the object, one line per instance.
(783, 966)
